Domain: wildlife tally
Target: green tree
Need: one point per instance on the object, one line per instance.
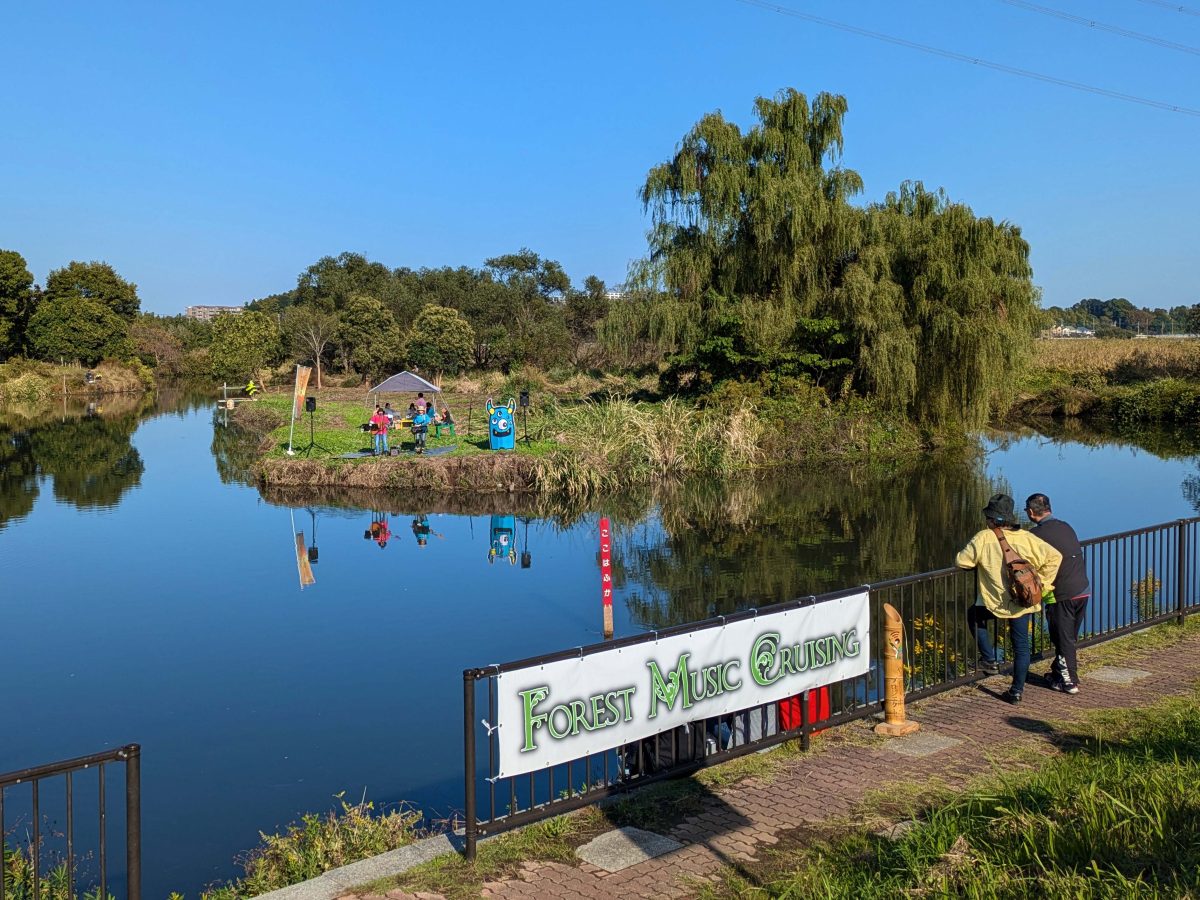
(368, 336)
(309, 331)
(95, 281)
(77, 328)
(531, 308)
(441, 340)
(243, 344)
(15, 284)
(937, 306)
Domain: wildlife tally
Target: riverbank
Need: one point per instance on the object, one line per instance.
(31, 381)
(576, 447)
(1127, 383)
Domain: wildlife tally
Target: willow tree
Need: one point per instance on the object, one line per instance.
(758, 227)
(941, 305)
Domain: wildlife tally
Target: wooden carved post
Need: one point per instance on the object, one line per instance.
(895, 723)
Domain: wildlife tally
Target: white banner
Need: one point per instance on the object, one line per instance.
(549, 714)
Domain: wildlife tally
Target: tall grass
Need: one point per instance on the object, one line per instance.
(1120, 361)
(317, 844)
(618, 441)
(1116, 816)
(53, 883)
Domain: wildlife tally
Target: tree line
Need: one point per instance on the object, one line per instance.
(346, 312)
(763, 269)
(1118, 317)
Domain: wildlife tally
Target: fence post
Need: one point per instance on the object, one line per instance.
(133, 821)
(805, 729)
(469, 760)
(1182, 570)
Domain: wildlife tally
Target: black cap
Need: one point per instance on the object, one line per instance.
(1000, 510)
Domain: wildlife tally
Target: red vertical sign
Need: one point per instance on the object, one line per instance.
(606, 575)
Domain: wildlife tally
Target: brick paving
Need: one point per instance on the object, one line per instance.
(737, 822)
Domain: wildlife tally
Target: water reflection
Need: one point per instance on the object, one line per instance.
(85, 451)
(742, 544)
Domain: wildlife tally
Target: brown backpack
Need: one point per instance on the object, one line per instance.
(1024, 582)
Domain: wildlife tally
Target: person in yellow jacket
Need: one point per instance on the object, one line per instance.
(251, 388)
(993, 599)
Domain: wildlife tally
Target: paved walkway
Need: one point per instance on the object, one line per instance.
(960, 731)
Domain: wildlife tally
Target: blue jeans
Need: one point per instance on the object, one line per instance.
(381, 444)
(979, 618)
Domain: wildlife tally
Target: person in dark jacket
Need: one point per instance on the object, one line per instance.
(1071, 591)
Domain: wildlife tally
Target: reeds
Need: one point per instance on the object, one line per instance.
(615, 442)
(1120, 361)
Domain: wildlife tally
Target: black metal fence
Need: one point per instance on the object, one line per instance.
(47, 858)
(1138, 578)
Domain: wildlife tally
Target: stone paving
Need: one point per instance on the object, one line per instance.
(960, 732)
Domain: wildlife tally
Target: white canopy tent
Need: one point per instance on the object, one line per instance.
(403, 383)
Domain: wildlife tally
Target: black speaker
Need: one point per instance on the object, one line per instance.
(310, 404)
(524, 401)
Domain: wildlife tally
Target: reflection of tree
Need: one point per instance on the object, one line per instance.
(235, 451)
(18, 476)
(91, 459)
(87, 452)
(730, 546)
(1164, 443)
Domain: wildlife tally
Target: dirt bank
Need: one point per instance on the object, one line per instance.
(483, 472)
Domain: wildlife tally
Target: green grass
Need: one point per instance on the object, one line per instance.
(1115, 814)
(53, 883)
(317, 844)
(336, 427)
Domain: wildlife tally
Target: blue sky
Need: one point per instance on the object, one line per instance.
(210, 152)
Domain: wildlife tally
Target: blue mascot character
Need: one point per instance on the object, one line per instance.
(504, 539)
(502, 432)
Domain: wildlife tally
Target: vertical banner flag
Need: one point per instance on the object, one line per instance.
(606, 575)
(302, 373)
(302, 563)
(551, 713)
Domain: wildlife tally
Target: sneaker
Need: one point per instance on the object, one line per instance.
(990, 667)
(1063, 684)
(1011, 696)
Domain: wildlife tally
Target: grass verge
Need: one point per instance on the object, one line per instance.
(317, 844)
(1113, 814)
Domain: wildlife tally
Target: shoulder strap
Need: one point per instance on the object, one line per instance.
(1010, 555)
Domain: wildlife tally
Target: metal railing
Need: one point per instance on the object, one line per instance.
(1138, 578)
(64, 851)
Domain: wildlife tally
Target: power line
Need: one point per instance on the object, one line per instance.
(1112, 29)
(962, 57)
(1174, 7)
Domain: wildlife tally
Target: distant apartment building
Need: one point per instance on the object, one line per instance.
(205, 313)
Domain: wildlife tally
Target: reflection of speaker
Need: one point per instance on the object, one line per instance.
(524, 401)
(310, 404)
(526, 560)
(312, 554)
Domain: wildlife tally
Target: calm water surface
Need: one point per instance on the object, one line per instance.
(149, 596)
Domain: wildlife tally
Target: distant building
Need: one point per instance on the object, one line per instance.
(615, 295)
(1070, 331)
(205, 313)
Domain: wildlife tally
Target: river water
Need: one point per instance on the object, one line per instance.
(148, 595)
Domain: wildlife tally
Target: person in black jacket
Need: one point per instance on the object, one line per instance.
(1071, 592)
